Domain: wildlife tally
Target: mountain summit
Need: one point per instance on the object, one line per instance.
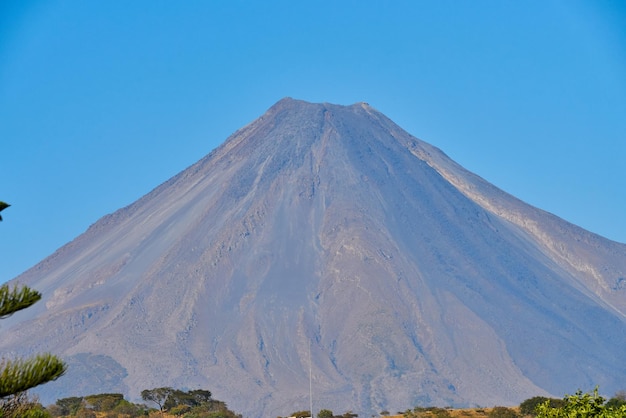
(324, 238)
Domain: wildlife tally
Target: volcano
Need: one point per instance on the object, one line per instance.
(322, 249)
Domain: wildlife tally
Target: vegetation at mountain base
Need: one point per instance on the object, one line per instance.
(200, 404)
(583, 405)
(107, 405)
(503, 412)
(19, 375)
(300, 414)
(21, 405)
(325, 413)
(529, 406)
(427, 412)
(194, 403)
(580, 405)
(191, 404)
(618, 400)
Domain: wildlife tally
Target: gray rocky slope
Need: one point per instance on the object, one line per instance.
(328, 233)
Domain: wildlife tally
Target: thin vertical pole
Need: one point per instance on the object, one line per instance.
(310, 382)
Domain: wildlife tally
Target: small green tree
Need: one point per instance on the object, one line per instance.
(157, 395)
(325, 413)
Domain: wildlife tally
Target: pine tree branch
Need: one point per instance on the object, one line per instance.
(17, 299)
(20, 375)
(2, 207)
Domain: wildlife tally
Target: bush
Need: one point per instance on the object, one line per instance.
(21, 405)
(503, 412)
(325, 413)
(529, 406)
(581, 405)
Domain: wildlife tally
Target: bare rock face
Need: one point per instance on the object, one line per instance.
(325, 238)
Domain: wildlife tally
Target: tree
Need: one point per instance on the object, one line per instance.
(104, 401)
(157, 395)
(301, 414)
(529, 406)
(190, 399)
(71, 405)
(617, 400)
(325, 413)
(201, 396)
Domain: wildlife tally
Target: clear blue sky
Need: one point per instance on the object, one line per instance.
(101, 101)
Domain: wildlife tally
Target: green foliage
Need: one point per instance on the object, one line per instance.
(301, 414)
(581, 405)
(179, 410)
(69, 406)
(192, 404)
(21, 405)
(157, 395)
(125, 408)
(17, 299)
(192, 398)
(617, 400)
(105, 404)
(54, 410)
(503, 412)
(200, 396)
(20, 375)
(212, 409)
(427, 412)
(529, 406)
(104, 401)
(325, 413)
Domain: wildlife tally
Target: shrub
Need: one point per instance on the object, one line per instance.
(503, 412)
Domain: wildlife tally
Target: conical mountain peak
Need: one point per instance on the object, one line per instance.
(413, 281)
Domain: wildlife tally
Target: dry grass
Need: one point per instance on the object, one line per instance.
(456, 413)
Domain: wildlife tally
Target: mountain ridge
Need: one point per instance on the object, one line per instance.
(414, 280)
